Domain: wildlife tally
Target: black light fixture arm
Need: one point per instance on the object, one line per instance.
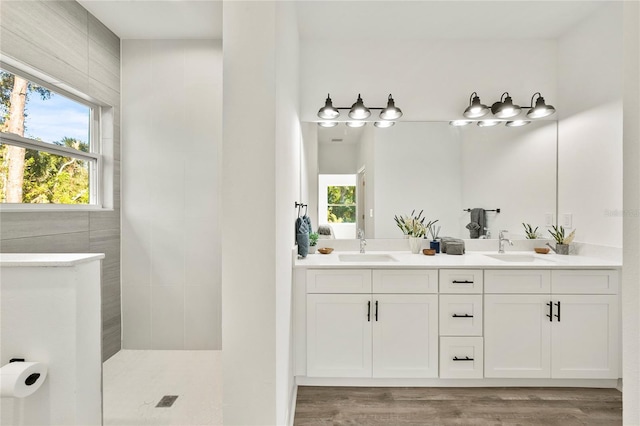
(502, 96)
(533, 98)
(473, 95)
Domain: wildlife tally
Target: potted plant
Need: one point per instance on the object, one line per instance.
(562, 242)
(531, 233)
(414, 228)
(313, 242)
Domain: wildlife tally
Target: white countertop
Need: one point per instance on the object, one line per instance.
(46, 259)
(476, 259)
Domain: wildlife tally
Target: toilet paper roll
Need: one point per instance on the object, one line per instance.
(20, 379)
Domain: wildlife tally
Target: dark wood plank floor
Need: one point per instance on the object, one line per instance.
(457, 406)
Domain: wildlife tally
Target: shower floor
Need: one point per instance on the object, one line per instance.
(134, 381)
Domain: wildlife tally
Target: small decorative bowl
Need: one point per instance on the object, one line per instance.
(325, 250)
(429, 252)
(542, 250)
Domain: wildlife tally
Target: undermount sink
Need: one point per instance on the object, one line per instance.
(364, 257)
(511, 257)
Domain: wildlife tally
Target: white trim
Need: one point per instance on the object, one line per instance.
(39, 207)
(292, 406)
(63, 151)
(445, 383)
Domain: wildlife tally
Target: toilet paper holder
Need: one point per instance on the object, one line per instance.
(32, 378)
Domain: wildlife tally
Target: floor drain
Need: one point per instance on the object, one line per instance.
(167, 401)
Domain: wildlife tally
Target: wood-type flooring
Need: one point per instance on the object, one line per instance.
(457, 406)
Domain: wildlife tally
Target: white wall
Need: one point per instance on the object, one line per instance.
(414, 171)
(429, 80)
(631, 261)
(336, 158)
(589, 107)
(309, 169)
(171, 128)
(513, 169)
(260, 178)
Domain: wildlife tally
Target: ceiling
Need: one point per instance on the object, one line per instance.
(358, 20)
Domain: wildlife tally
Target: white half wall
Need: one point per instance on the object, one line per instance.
(589, 104)
(171, 131)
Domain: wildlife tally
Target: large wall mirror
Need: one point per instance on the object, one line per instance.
(361, 177)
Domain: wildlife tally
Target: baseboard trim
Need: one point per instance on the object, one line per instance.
(364, 382)
(292, 405)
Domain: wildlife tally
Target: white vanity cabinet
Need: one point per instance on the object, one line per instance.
(551, 334)
(372, 334)
(339, 335)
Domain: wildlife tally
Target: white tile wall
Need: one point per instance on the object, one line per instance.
(171, 128)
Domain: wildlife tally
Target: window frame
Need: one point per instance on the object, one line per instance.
(354, 204)
(94, 158)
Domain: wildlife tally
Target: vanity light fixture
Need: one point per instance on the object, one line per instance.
(540, 109)
(475, 109)
(383, 124)
(517, 123)
(391, 112)
(488, 123)
(328, 112)
(358, 111)
(505, 107)
(356, 124)
(327, 123)
(458, 123)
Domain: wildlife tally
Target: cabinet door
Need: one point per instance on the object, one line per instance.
(405, 335)
(339, 335)
(517, 336)
(584, 340)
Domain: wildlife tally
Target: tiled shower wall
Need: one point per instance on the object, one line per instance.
(172, 133)
(64, 41)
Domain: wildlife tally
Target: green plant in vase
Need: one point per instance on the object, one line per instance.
(562, 241)
(531, 233)
(313, 241)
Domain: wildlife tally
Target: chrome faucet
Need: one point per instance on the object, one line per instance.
(363, 242)
(502, 240)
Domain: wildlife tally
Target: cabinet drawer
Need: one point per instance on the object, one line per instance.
(339, 281)
(460, 315)
(517, 281)
(584, 282)
(405, 281)
(461, 281)
(461, 358)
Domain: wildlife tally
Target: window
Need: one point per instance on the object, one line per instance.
(49, 144)
(341, 204)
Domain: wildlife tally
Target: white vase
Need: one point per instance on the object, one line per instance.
(312, 249)
(415, 244)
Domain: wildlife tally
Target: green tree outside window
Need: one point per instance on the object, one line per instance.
(341, 204)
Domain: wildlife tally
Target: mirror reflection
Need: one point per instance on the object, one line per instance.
(366, 176)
